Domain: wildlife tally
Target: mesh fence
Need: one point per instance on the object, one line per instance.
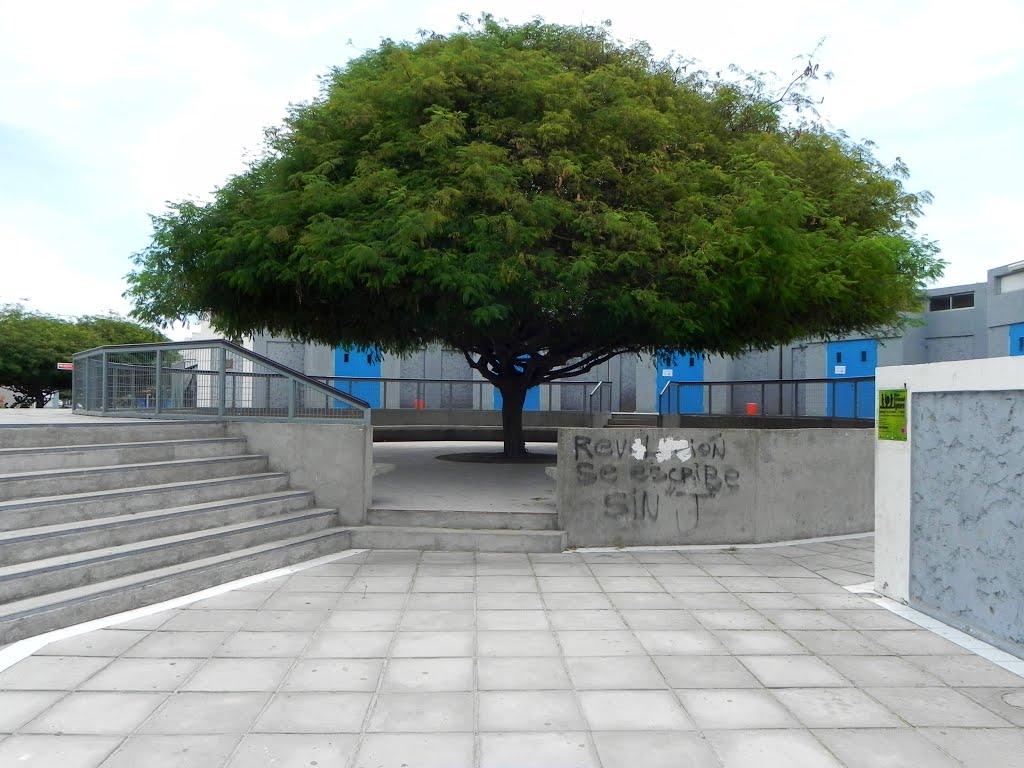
(852, 398)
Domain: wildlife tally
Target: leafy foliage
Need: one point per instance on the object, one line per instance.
(31, 345)
(544, 198)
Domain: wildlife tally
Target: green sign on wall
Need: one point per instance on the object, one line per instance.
(892, 414)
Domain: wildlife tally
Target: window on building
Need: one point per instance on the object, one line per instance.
(951, 301)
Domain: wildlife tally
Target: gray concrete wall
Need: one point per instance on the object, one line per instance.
(967, 512)
(335, 461)
(626, 487)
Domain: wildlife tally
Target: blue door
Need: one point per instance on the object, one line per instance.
(532, 399)
(848, 360)
(1017, 339)
(680, 399)
(349, 361)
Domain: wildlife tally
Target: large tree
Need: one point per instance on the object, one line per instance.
(31, 345)
(544, 198)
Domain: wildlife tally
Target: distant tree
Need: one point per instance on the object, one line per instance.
(544, 198)
(31, 345)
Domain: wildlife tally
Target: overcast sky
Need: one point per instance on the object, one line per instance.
(107, 110)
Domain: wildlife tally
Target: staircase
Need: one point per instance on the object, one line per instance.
(96, 519)
(621, 419)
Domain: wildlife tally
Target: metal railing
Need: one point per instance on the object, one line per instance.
(850, 398)
(470, 394)
(212, 379)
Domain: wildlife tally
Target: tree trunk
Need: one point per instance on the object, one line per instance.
(41, 399)
(513, 398)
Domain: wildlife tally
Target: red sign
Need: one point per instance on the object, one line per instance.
(65, 366)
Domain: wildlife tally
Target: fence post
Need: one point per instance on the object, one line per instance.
(158, 371)
(222, 379)
(291, 397)
(103, 384)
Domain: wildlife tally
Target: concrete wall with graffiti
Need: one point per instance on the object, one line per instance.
(626, 487)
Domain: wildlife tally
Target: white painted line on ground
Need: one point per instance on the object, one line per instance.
(997, 656)
(720, 547)
(22, 649)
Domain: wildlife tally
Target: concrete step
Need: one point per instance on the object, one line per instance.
(93, 432)
(453, 518)
(49, 482)
(456, 539)
(27, 544)
(41, 577)
(36, 615)
(633, 420)
(53, 510)
(17, 460)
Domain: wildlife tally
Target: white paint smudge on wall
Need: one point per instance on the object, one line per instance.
(639, 450)
(669, 446)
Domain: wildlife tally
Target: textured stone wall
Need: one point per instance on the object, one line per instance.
(967, 511)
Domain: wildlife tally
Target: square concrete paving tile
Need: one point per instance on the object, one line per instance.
(239, 675)
(568, 620)
(836, 708)
(737, 708)
(163, 645)
(207, 621)
(403, 750)
(485, 584)
(811, 586)
(265, 644)
(581, 570)
(629, 584)
(651, 749)
(512, 673)
(516, 643)
(96, 713)
(340, 568)
(333, 675)
(884, 748)
(705, 672)
(660, 619)
(99, 642)
(442, 570)
(725, 601)
(284, 750)
(599, 642)
(246, 600)
(529, 711)
(980, 748)
(791, 571)
(437, 620)
(816, 619)
(509, 601)
(1008, 703)
(57, 751)
(915, 642)
(770, 749)
(633, 711)
(421, 675)
(152, 621)
(759, 643)
(431, 644)
(619, 569)
(444, 584)
(873, 618)
(440, 601)
(207, 713)
(684, 642)
(793, 672)
(51, 673)
(682, 584)
(372, 601)
(422, 713)
(677, 568)
(567, 584)
(775, 601)
(537, 750)
(302, 583)
(838, 642)
(314, 713)
(504, 569)
(967, 671)
(285, 621)
(715, 619)
(577, 601)
(837, 602)
(880, 671)
(731, 569)
(940, 707)
(370, 584)
(172, 752)
(18, 707)
(607, 672)
(362, 621)
(641, 601)
(751, 584)
(343, 645)
(511, 620)
(132, 674)
(300, 601)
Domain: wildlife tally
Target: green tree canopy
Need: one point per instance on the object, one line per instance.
(31, 345)
(543, 198)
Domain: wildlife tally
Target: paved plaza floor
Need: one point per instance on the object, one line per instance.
(745, 658)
